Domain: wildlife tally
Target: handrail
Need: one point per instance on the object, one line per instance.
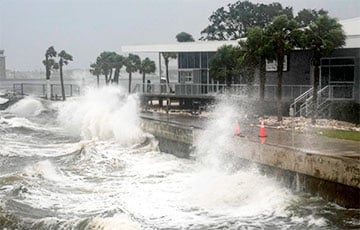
(308, 101)
(302, 96)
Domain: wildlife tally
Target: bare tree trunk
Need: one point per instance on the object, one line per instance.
(130, 82)
(262, 81)
(314, 113)
(280, 66)
(143, 82)
(262, 78)
(167, 74)
(97, 81)
(62, 82)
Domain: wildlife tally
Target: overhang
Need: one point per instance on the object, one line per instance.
(203, 46)
(351, 29)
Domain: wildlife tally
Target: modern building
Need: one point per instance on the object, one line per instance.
(2, 65)
(340, 74)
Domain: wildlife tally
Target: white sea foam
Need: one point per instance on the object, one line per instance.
(102, 114)
(3, 100)
(29, 106)
(119, 221)
(44, 169)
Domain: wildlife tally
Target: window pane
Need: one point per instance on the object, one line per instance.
(342, 61)
(342, 73)
(204, 60)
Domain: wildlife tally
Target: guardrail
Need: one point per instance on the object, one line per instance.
(302, 105)
(289, 92)
(40, 90)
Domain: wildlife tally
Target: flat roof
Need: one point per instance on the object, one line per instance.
(199, 46)
(351, 29)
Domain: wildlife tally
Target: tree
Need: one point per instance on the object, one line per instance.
(224, 65)
(284, 35)
(322, 36)
(132, 64)
(257, 50)
(167, 56)
(95, 70)
(49, 63)
(105, 63)
(307, 16)
(234, 23)
(184, 37)
(147, 66)
(118, 62)
(64, 60)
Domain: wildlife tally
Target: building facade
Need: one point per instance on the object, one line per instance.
(339, 72)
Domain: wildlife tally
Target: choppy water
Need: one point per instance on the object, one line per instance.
(86, 164)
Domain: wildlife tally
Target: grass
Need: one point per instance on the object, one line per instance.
(340, 134)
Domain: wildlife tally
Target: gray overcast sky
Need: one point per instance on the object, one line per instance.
(85, 28)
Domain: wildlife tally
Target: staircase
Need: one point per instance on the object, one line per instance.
(303, 104)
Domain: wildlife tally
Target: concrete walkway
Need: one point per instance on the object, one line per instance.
(305, 142)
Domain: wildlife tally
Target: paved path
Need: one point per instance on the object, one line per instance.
(305, 142)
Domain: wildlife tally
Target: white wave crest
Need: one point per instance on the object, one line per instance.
(119, 221)
(102, 114)
(44, 169)
(29, 106)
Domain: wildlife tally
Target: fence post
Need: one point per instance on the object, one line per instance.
(51, 91)
(71, 88)
(22, 89)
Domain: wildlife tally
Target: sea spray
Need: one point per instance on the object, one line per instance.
(215, 142)
(29, 106)
(220, 183)
(102, 114)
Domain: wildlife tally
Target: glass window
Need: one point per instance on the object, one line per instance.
(342, 73)
(197, 60)
(204, 60)
(186, 76)
(342, 61)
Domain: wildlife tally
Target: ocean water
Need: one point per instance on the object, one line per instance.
(86, 164)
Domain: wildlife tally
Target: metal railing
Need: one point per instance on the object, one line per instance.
(40, 90)
(289, 92)
(303, 104)
(323, 96)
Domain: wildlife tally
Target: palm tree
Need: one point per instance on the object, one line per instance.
(118, 62)
(132, 64)
(167, 56)
(49, 63)
(257, 48)
(106, 63)
(64, 60)
(284, 35)
(322, 36)
(147, 66)
(95, 70)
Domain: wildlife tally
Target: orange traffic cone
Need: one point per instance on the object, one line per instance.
(237, 129)
(262, 132)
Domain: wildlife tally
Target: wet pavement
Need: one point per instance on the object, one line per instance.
(307, 142)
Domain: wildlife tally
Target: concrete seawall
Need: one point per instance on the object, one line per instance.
(173, 138)
(334, 178)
